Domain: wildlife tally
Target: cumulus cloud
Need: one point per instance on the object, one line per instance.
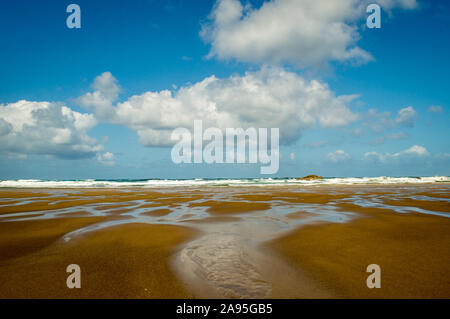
(435, 109)
(270, 97)
(338, 156)
(415, 151)
(380, 122)
(106, 158)
(46, 128)
(404, 4)
(105, 92)
(406, 116)
(299, 32)
(5, 127)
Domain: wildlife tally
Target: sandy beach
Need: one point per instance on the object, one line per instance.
(232, 242)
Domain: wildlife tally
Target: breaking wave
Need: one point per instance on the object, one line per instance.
(155, 183)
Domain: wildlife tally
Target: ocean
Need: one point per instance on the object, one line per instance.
(157, 183)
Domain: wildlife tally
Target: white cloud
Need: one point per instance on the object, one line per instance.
(106, 158)
(404, 4)
(435, 109)
(415, 151)
(374, 156)
(106, 91)
(5, 127)
(46, 128)
(270, 97)
(338, 156)
(406, 116)
(299, 32)
(380, 122)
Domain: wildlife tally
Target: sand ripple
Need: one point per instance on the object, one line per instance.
(226, 263)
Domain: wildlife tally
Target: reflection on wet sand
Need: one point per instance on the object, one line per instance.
(240, 242)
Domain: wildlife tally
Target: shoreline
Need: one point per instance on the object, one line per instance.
(193, 186)
(220, 182)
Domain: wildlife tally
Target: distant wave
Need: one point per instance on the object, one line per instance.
(153, 183)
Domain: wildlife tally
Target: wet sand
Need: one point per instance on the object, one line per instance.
(412, 250)
(233, 242)
(129, 261)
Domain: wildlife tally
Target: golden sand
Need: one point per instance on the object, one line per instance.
(411, 249)
(129, 261)
(23, 237)
(133, 260)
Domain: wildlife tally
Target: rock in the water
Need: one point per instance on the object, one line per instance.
(310, 177)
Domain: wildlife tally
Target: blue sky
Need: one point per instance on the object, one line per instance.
(149, 46)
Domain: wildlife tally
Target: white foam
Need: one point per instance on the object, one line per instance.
(154, 183)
